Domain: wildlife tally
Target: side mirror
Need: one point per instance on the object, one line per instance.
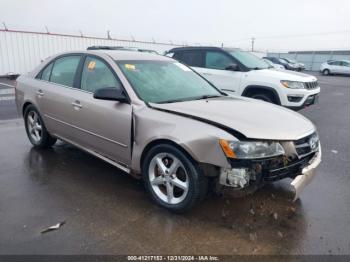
(112, 94)
(232, 67)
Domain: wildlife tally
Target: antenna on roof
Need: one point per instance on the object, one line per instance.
(81, 33)
(109, 35)
(47, 30)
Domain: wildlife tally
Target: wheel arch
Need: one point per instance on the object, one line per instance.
(25, 105)
(156, 142)
(256, 88)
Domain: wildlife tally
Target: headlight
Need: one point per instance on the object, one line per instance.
(250, 150)
(293, 84)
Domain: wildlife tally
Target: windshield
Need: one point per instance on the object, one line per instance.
(249, 60)
(166, 81)
(290, 60)
(282, 60)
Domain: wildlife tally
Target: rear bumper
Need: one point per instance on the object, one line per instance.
(308, 173)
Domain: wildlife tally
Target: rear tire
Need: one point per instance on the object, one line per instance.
(36, 130)
(326, 72)
(173, 180)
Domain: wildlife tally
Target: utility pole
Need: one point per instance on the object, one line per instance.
(253, 39)
(5, 27)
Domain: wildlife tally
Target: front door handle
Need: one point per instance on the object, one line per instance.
(40, 93)
(76, 104)
(207, 74)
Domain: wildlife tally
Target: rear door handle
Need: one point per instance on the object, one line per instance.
(76, 104)
(207, 74)
(40, 93)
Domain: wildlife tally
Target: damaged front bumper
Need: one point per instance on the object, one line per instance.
(308, 173)
(250, 175)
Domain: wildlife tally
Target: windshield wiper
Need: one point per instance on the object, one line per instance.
(189, 99)
(173, 101)
(207, 97)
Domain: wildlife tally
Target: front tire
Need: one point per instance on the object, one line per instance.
(326, 72)
(173, 180)
(36, 130)
(264, 97)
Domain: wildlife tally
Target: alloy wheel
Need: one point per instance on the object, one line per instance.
(34, 126)
(168, 178)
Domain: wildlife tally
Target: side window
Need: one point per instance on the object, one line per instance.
(96, 74)
(45, 74)
(191, 58)
(337, 63)
(64, 69)
(216, 60)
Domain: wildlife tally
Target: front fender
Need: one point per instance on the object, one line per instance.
(198, 139)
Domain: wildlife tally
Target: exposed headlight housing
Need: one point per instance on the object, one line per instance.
(293, 84)
(251, 149)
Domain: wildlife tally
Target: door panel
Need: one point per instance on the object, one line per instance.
(223, 79)
(56, 88)
(58, 114)
(103, 126)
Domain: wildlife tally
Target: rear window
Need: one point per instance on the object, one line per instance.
(64, 69)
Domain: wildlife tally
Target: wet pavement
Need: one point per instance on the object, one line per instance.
(108, 212)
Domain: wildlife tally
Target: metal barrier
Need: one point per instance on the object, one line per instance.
(21, 51)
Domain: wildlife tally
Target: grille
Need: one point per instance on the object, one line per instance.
(303, 146)
(311, 85)
(292, 169)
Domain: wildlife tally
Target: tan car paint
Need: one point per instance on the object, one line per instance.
(93, 128)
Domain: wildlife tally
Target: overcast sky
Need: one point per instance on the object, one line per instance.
(277, 25)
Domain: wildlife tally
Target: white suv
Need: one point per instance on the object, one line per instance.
(242, 73)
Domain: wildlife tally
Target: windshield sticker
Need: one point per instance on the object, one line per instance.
(130, 67)
(91, 65)
(183, 67)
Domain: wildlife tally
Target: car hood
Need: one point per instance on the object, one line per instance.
(283, 75)
(254, 119)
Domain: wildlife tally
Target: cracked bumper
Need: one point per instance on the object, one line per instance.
(308, 173)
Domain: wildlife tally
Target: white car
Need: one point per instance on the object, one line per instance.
(275, 66)
(336, 67)
(241, 73)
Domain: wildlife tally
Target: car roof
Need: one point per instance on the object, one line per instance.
(126, 55)
(190, 48)
(348, 61)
